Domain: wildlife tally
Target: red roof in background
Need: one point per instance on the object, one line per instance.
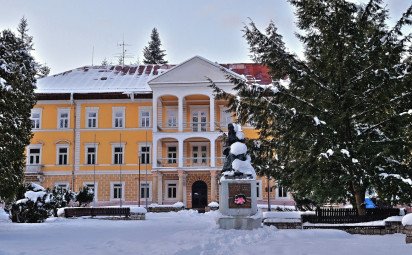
(253, 72)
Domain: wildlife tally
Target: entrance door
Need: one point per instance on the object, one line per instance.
(199, 195)
(199, 120)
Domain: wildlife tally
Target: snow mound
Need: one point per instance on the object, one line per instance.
(282, 215)
(213, 204)
(60, 212)
(138, 210)
(238, 148)
(244, 167)
(4, 217)
(407, 219)
(178, 205)
(34, 195)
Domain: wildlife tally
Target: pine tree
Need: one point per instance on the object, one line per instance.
(42, 71)
(340, 121)
(17, 84)
(105, 62)
(152, 53)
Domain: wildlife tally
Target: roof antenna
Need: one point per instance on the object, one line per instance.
(123, 55)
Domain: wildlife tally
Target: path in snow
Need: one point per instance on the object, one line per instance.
(185, 233)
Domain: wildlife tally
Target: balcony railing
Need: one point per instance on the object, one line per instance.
(198, 162)
(193, 126)
(34, 169)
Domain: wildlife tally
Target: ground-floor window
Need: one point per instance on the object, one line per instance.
(146, 190)
(282, 192)
(171, 188)
(117, 191)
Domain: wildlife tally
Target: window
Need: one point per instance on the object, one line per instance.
(282, 192)
(145, 118)
(91, 117)
(225, 117)
(172, 118)
(118, 155)
(118, 117)
(35, 118)
(259, 189)
(171, 188)
(171, 154)
(117, 191)
(91, 154)
(62, 155)
(145, 154)
(63, 118)
(199, 154)
(62, 186)
(146, 190)
(34, 156)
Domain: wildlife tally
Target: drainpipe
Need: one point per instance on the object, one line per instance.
(73, 103)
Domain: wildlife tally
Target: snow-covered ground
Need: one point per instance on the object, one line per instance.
(185, 232)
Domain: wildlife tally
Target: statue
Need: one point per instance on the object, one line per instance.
(232, 137)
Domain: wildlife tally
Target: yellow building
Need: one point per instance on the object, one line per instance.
(91, 124)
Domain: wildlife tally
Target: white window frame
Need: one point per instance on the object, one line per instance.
(223, 117)
(167, 183)
(92, 110)
(117, 110)
(91, 145)
(200, 144)
(112, 191)
(141, 145)
(172, 114)
(259, 184)
(35, 146)
(60, 184)
(168, 145)
(150, 190)
(204, 108)
(149, 111)
(96, 189)
(58, 147)
(60, 111)
(36, 111)
(113, 153)
(277, 192)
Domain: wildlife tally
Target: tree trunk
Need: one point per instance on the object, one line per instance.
(360, 200)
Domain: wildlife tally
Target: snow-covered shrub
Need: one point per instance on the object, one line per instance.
(59, 198)
(85, 196)
(33, 206)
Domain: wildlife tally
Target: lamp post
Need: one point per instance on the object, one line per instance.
(140, 188)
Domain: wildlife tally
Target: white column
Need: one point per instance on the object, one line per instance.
(154, 186)
(154, 113)
(180, 116)
(212, 113)
(180, 186)
(180, 153)
(159, 188)
(213, 186)
(212, 152)
(154, 153)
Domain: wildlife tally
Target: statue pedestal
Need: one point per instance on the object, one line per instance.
(238, 204)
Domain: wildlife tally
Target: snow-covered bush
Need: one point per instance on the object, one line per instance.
(59, 198)
(85, 196)
(33, 206)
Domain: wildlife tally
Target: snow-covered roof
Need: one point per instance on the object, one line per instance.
(102, 79)
(129, 78)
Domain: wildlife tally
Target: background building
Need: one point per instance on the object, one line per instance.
(91, 124)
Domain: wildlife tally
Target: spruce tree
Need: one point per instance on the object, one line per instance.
(152, 53)
(340, 121)
(17, 84)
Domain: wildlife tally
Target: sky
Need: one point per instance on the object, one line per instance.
(66, 32)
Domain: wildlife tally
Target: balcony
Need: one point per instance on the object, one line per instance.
(193, 127)
(34, 169)
(190, 162)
